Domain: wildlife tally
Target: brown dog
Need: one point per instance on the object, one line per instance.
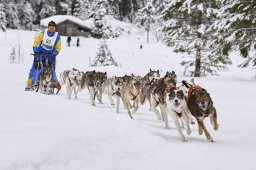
(201, 106)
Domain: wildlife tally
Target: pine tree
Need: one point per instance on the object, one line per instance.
(37, 6)
(99, 9)
(186, 27)
(147, 16)
(81, 8)
(13, 57)
(238, 29)
(103, 56)
(12, 17)
(26, 15)
(2, 18)
(48, 9)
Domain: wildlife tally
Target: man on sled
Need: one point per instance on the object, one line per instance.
(46, 47)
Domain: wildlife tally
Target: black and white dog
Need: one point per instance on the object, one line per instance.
(178, 110)
(72, 80)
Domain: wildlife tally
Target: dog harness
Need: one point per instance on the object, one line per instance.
(196, 87)
(48, 42)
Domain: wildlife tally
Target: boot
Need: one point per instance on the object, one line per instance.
(28, 87)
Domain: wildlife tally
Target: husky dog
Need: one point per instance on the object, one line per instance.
(93, 81)
(72, 80)
(158, 91)
(112, 87)
(130, 91)
(151, 76)
(158, 98)
(45, 80)
(171, 78)
(148, 80)
(177, 108)
(201, 106)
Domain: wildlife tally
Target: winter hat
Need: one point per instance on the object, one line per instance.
(51, 23)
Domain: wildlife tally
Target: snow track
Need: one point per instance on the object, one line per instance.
(40, 132)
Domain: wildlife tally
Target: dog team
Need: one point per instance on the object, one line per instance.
(183, 103)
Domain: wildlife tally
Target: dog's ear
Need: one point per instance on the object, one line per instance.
(105, 73)
(157, 71)
(184, 82)
(166, 74)
(93, 71)
(132, 75)
(150, 69)
(204, 91)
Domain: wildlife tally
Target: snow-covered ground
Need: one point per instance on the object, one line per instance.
(39, 132)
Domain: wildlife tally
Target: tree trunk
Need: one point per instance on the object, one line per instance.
(147, 36)
(198, 63)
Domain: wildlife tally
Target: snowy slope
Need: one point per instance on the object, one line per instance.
(40, 132)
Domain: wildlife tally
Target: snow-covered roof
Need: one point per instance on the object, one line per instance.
(61, 18)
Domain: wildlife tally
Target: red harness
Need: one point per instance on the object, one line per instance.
(196, 87)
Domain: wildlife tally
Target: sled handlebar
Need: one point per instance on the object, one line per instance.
(42, 54)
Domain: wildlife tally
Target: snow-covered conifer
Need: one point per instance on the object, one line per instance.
(186, 28)
(103, 56)
(2, 18)
(13, 56)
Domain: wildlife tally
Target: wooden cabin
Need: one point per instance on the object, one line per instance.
(68, 25)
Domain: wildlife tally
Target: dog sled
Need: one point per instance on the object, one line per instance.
(44, 73)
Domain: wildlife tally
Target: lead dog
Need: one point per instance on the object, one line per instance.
(201, 106)
(178, 110)
(72, 81)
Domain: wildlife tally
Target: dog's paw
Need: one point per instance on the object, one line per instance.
(184, 140)
(216, 127)
(93, 104)
(200, 131)
(159, 118)
(188, 131)
(210, 140)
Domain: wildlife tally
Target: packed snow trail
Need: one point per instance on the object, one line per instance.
(40, 132)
